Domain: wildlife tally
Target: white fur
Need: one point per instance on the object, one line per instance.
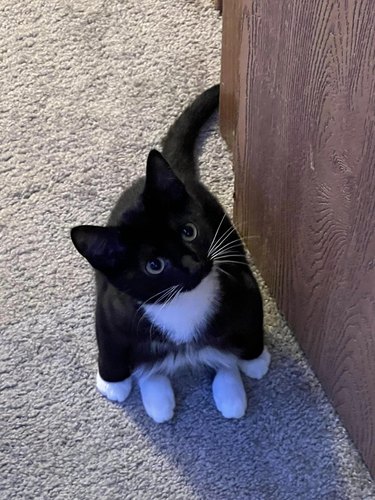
(227, 388)
(258, 367)
(229, 393)
(158, 398)
(115, 391)
(182, 318)
(157, 393)
(188, 356)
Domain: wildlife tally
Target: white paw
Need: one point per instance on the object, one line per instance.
(229, 393)
(158, 397)
(256, 368)
(115, 391)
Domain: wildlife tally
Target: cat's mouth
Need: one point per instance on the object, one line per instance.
(195, 278)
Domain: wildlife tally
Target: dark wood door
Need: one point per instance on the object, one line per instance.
(298, 110)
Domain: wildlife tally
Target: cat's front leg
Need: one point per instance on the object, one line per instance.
(229, 393)
(158, 397)
(114, 391)
(113, 379)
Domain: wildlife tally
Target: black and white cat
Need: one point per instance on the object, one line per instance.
(173, 284)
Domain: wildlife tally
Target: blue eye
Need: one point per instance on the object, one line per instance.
(189, 232)
(155, 266)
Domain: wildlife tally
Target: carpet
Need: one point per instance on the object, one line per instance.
(87, 88)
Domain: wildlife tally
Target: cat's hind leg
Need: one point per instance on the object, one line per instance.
(158, 397)
(229, 393)
(258, 367)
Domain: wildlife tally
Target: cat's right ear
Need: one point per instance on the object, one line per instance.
(162, 184)
(101, 246)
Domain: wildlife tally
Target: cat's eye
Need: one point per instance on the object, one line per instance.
(189, 232)
(155, 266)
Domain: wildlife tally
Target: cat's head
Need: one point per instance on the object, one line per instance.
(162, 242)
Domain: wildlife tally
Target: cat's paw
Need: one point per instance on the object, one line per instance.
(256, 368)
(158, 397)
(229, 393)
(114, 391)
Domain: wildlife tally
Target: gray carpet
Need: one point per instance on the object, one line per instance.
(87, 88)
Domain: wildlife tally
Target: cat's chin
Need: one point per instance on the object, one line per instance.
(195, 280)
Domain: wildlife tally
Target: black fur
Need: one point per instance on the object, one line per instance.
(146, 224)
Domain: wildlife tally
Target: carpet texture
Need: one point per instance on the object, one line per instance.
(87, 88)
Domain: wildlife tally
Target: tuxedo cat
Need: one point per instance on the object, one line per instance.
(173, 284)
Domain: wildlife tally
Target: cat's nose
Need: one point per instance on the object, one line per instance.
(191, 262)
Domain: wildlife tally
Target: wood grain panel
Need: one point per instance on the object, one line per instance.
(218, 4)
(231, 12)
(302, 114)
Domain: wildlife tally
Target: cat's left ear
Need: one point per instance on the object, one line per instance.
(161, 181)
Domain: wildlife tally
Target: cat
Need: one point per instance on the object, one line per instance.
(173, 284)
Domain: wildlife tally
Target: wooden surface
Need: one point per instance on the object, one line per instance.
(231, 39)
(298, 109)
(218, 4)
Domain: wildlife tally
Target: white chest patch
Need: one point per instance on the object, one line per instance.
(188, 313)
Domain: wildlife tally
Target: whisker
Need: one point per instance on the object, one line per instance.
(171, 297)
(224, 272)
(240, 228)
(226, 254)
(165, 294)
(217, 230)
(227, 247)
(240, 239)
(232, 262)
(218, 246)
(221, 240)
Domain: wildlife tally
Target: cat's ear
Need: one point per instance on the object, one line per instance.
(101, 246)
(161, 182)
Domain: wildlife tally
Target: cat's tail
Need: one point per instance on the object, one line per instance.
(178, 145)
